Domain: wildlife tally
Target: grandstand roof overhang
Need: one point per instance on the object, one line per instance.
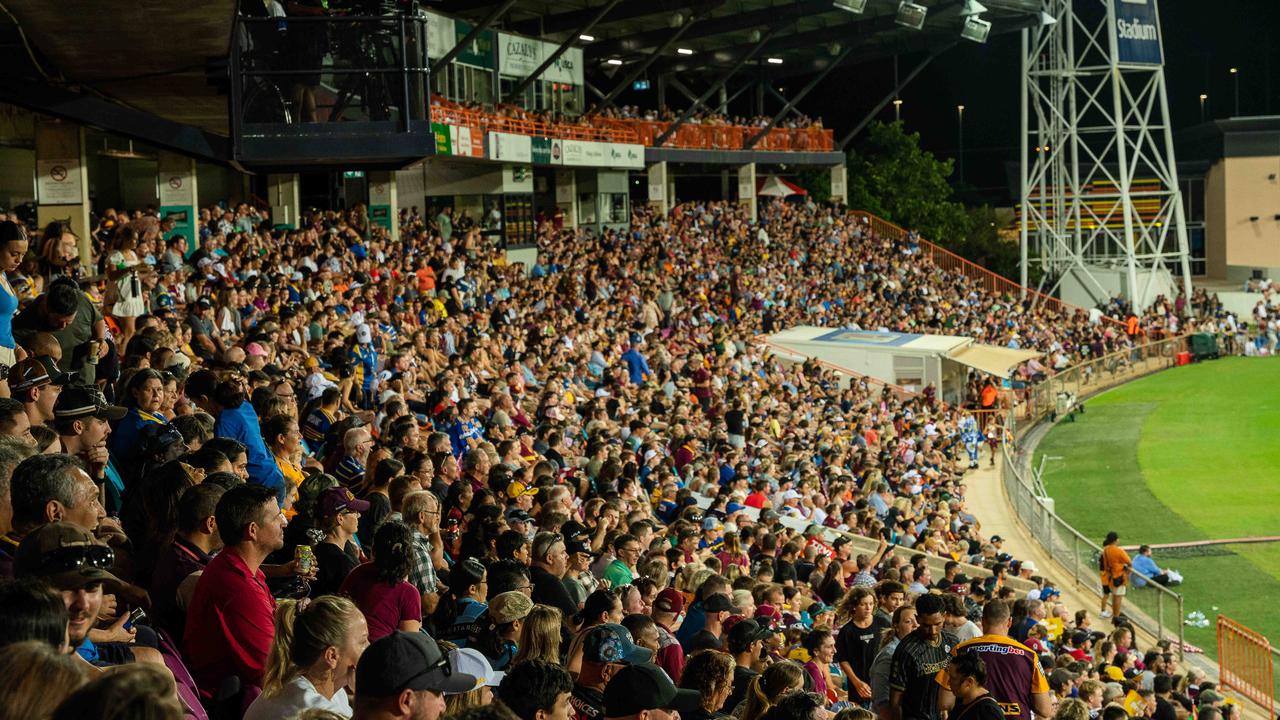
(807, 35)
(1230, 137)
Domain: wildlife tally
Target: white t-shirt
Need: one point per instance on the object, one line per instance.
(297, 695)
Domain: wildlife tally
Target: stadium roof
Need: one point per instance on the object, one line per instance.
(805, 34)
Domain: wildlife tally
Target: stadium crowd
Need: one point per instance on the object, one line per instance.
(317, 473)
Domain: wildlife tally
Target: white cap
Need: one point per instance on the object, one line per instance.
(363, 334)
(472, 662)
(1029, 565)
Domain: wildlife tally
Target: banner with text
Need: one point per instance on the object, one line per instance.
(585, 153)
(519, 56)
(1138, 32)
(510, 148)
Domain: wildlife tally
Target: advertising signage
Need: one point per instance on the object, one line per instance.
(1138, 33)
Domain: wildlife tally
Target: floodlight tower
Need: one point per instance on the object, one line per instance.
(1101, 207)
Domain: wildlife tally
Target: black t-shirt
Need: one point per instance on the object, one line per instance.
(333, 564)
(984, 708)
(784, 570)
(742, 677)
(804, 569)
(1164, 710)
(703, 640)
(858, 646)
(587, 703)
(548, 590)
(735, 421)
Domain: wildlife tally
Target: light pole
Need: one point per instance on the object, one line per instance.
(897, 109)
(1203, 97)
(1235, 81)
(960, 153)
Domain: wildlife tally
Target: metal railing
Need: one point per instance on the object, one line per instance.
(1153, 608)
(1246, 664)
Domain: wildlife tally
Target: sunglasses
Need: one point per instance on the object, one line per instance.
(76, 557)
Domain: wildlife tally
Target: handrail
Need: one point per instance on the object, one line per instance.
(1245, 663)
(987, 279)
(1058, 537)
(493, 122)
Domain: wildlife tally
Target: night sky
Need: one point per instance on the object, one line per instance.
(1202, 41)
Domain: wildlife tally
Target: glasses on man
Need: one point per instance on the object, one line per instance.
(76, 557)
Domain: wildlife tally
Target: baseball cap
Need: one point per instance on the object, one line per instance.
(65, 555)
(1029, 565)
(577, 546)
(156, 437)
(734, 507)
(717, 603)
(515, 515)
(509, 606)
(669, 600)
(818, 608)
(256, 349)
(336, 499)
(37, 371)
(204, 301)
(77, 401)
(472, 662)
(1209, 696)
(408, 661)
(1061, 676)
(768, 514)
(364, 335)
(769, 614)
(745, 631)
(517, 489)
(646, 687)
(610, 643)
(995, 539)
(711, 523)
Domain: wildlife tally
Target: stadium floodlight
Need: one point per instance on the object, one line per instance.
(1047, 19)
(684, 51)
(911, 15)
(613, 61)
(857, 7)
(972, 8)
(587, 38)
(775, 61)
(975, 29)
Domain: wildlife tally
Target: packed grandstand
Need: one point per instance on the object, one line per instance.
(304, 470)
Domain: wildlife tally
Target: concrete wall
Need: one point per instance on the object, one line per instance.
(17, 176)
(1251, 188)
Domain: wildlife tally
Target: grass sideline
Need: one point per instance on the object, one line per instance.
(1187, 454)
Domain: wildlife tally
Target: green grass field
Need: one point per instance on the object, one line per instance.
(1191, 453)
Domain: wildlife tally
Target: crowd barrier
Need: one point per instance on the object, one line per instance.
(725, 137)
(1245, 663)
(1155, 609)
(482, 122)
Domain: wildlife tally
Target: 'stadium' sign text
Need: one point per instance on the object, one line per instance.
(1138, 33)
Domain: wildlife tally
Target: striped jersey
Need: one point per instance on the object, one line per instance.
(1013, 672)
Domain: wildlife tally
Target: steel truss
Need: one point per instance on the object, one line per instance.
(1099, 182)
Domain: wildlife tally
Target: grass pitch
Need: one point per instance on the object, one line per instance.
(1191, 453)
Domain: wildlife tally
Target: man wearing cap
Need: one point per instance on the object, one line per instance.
(206, 340)
(1014, 676)
(626, 550)
(404, 676)
(712, 535)
(72, 561)
(667, 608)
(232, 603)
(718, 608)
(606, 649)
(81, 417)
(35, 382)
(644, 692)
(744, 640)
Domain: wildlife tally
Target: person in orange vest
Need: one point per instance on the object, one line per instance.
(1114, 566)
(988, 396)
(1131, 326)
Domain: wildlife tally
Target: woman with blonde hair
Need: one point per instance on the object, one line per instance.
(766, 688)
(35, 678)
(313, 657)
(710, 672)
(1072, 709)
(540, 636)
(472, 662)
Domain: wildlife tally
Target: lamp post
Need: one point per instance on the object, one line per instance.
(1203, 97)
(1235, 81)
(960, 153)
(897, 109)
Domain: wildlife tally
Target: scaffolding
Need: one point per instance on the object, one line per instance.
(1101, 210)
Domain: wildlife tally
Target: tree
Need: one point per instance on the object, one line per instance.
(891, 176)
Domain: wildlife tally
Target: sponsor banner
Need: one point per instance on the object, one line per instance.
(519, 56)
(444, 139)
(1138, 33)
(510, 148)
(658, 182)
(464, 143)
(441, 35)
(540, 151)
(585, 153)
(480, 52)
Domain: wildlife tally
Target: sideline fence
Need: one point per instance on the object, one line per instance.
(1245, 664)
(1153, 608)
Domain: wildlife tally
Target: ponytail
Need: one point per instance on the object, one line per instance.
(769, 685)
(304, 630)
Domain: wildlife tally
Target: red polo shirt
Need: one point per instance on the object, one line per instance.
(230, 624)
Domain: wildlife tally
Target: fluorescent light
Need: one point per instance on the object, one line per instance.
(976, 29)
(911, 15)
(684, 51)
(614, 61)
(587, 38)
(854, 6)
(775, 61)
